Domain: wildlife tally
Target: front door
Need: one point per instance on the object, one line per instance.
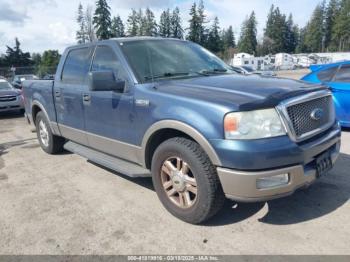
(68, 94)
(109, 114)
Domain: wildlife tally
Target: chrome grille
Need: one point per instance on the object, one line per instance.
(7, 98)
(301, 115)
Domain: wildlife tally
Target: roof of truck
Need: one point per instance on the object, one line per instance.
(126, 39)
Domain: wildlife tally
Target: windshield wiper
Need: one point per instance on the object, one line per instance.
(212, 71)
(168, 74)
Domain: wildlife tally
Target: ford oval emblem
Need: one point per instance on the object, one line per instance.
(317, 114)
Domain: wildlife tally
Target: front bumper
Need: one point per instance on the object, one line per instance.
(242, 186)
(11, 105)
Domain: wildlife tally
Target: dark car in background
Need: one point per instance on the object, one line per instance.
(18, 79)
(10, 98)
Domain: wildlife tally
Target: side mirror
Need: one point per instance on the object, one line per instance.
(104, 81)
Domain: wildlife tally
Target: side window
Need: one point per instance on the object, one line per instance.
(327, 75)
(343, 74)
(76, 66)
(106, 59)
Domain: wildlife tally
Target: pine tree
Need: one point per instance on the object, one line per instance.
(141, 20)
(81, 35)
(332, 12)
(150, 27)
(165, 24)
(117, 29)
(102, 20)
(202, 32)
(228, 38)
(90, 31)
(341, 30)
(314, 36)
(194, 31)
(16, 57)
(248, 41)
(276, 33)
(214, 43)
(133, 24)
(176, 27)
(290, 36)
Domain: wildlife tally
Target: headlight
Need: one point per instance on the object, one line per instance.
(253, 124)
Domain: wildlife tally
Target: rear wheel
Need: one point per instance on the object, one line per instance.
(185, 180)
(49, 143)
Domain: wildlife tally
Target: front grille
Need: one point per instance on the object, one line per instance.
(304, 121)
(7, 98)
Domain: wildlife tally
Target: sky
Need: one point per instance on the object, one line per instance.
(51, 24)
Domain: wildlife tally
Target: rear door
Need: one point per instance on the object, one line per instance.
(341, 92)
(68, 94)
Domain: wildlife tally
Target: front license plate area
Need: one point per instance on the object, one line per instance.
(323, 164)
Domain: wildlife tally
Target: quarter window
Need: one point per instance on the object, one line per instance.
(343, 74)
(327, 75)
(106, 60)
(76, 66)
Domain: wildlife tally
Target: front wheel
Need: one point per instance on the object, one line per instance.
(50, 143)
(185, 180)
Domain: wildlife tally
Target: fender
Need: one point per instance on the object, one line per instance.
(53, 125)
(185, 128)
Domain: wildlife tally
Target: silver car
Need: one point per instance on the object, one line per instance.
(10, 98)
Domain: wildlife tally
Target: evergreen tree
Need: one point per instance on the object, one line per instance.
(176, 27)
(117, 29)
(202, 32)
(291, 36)
(341, 30)
(214, 40)
(165, 24)
(141, 23)
(277, 33)
(314, 35)
(16, 57)
(194, 30)
(81, 36)
(150, 25)
(90, 32)
(228, 38)
(248, 41)
(102, 20)
(332, 12)
(133, 24)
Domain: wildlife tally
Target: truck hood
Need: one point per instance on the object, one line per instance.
(9, 92)
(243, 92)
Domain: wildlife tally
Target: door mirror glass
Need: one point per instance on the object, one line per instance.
(105, 81)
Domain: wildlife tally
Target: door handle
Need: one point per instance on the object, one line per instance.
(86, 97)
(57, 93)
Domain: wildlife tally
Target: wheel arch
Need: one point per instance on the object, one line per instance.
(166, 129)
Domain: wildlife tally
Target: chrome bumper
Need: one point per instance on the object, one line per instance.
(241, 186)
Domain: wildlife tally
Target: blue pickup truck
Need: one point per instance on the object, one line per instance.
(171, 110)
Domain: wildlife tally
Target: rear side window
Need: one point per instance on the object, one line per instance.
(106, 60)
(343, 74)
(327, 75)
(76, 66)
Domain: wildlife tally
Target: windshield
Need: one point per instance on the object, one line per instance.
(164, 59)
(5, 85)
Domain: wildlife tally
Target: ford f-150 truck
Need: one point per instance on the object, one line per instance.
(172, 110)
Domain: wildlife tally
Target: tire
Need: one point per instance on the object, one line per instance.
(192, 204)
(50, 143)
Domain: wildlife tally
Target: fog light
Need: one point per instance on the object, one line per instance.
(272, 181)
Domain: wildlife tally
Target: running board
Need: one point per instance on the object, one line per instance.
(113, 163)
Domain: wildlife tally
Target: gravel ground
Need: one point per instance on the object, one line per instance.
(65, 205)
